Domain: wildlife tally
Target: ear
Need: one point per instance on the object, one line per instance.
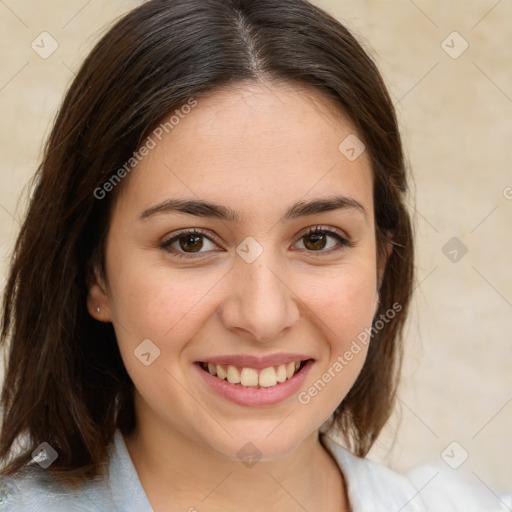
(382, 264)
(98, 298)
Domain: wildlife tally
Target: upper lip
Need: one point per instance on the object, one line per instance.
(256, 362)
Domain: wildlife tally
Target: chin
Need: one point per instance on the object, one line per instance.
(260, 441)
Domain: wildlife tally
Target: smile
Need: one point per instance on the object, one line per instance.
(252, 377)
(246, 385)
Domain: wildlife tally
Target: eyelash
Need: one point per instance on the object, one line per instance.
(343, 242)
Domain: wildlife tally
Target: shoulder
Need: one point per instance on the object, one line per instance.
(371, 486)
(427, 488)
(33, 490)
(452, 490)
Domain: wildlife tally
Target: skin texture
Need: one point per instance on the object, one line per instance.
(256, 149)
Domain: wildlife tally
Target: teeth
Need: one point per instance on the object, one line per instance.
(267, 377)
(249, 377)
(290, 370)
(281, 373)
(233, 375)
(220, 372)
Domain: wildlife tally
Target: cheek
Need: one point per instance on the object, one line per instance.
(167, 307)
(345, 300)
(157, 302)
(343, 305)
(344, 312)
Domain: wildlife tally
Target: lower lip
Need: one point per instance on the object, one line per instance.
(256, 397)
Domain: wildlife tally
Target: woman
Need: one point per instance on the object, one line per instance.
(213, 274)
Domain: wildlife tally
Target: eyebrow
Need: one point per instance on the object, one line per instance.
(202, 208)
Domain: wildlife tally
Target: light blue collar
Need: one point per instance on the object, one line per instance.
(372, 487)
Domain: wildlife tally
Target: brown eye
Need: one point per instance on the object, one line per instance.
(186, 243)
(317, 239)
(190, 243)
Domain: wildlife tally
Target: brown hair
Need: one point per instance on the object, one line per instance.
(65, 382)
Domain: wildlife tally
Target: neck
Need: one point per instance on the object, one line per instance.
(174, 469)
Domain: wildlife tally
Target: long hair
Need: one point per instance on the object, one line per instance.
(65, 382)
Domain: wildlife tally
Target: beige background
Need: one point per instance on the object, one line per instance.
(455, 115)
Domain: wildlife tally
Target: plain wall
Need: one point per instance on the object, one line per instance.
(455, 114)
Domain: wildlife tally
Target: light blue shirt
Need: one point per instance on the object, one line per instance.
(371, 488)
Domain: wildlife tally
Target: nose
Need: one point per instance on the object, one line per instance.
(260, 305)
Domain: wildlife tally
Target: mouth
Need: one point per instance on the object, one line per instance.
(248, 377)
(254, 380)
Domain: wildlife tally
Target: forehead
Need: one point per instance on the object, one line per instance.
(252, 143)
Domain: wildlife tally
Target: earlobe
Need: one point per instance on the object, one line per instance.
(98, 303)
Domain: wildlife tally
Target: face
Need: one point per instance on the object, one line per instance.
(247, 288)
